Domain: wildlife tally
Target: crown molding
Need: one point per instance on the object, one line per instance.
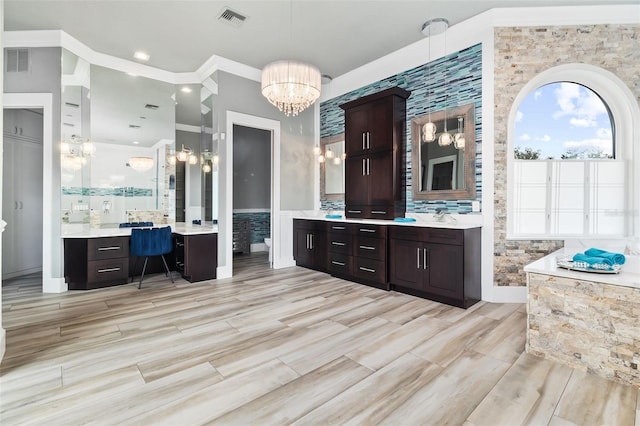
(59, 38)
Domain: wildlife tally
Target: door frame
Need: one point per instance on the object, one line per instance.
(225, 241)
(51, 242)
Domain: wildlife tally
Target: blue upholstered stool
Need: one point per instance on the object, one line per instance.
(148, 242)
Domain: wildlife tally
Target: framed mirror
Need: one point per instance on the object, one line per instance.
(441, 170)
(332, 169)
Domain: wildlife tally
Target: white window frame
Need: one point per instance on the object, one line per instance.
(625, 113)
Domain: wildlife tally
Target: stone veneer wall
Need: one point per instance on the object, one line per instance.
(520, 54)
(586, 325)
(260, 225)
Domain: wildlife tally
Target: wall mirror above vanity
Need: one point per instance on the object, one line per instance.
(332, 168)
(117, 131)
(444, 167)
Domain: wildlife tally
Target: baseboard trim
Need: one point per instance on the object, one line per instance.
(3, 343)
(54, 285)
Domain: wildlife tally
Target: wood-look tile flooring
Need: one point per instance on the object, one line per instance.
(291, 346)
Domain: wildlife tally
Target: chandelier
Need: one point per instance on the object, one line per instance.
(291, 86)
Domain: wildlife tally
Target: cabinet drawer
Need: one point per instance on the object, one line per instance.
(370, 270)
(339, 264)
(371, 248)
(365, 230)
(445, 236)
(356, 211)
(108, 270)
(339, 243)
(381, 212)
(338, 228)
(107, 248)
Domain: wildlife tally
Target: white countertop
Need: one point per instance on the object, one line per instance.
(178, 228)
(629, 275)
(449, 222)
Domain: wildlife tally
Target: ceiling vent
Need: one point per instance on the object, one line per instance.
(151, 106)
(232, 17)
(134, 126)
(17, 60)
(71, 105)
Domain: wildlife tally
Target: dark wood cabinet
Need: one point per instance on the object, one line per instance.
(439, 264)
(196, 256)
(96, 262)
(374, 143)
(310, 244)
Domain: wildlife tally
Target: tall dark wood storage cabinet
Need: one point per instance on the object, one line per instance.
(374, 129)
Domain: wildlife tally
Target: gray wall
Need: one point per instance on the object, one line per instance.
(191, 140)
(45, 76)
(251, 168)
(296, 138)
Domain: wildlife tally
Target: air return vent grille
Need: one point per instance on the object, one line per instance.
(232, 17)
(17, 60)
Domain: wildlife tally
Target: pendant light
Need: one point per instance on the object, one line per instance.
(458, 138)
(445, 138)
(431, 27)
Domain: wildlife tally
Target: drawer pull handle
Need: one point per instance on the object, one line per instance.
(101, 271)
(337, 243)
(354, 211)
(109, 248)
(335, 262)
(182, 244)
(362, 268)
(373, 231)
(378, 212)
(367, 248)
(340, 228)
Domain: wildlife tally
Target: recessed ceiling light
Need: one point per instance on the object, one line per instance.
(141, 55)
(136, 142)
(186, 89)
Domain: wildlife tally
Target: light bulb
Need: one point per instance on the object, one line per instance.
(429, 132)
(206, 168)
(329, 153)
(459, 141)
(172, 160)
(193, 159)
(316, 150)
(445, 139)
(216, 159)
(337, 160)
(182, 156)
(321, 159)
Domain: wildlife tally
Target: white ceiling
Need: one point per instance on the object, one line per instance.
(180, 35)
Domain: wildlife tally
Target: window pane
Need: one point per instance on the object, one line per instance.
(607, 195)
(530, 197)
(563, 120)
(567, 197)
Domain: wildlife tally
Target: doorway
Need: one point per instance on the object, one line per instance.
(225, 234)
(22, 192)
(251, 191)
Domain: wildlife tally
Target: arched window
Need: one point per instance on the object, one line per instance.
(569, 174)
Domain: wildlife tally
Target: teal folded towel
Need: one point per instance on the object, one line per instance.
(615, 258)
(404, 219)
(333, 216)
(591, 260)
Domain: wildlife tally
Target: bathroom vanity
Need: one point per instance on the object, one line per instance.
(99, 258)
(437, 261)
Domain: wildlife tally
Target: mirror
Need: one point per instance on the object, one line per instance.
(444, 172)
(124, 147)
(332, 169)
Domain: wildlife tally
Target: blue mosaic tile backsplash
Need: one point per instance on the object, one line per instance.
(260, 225)
(453, 80)
(102, 192)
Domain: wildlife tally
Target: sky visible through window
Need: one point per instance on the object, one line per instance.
(563, 120)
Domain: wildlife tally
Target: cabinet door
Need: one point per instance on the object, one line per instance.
(445, 266)
(381, 126)
(301, 252)
(356, 181)
(319, 249)
(356, 126)
(405, 263)
(380, 172)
